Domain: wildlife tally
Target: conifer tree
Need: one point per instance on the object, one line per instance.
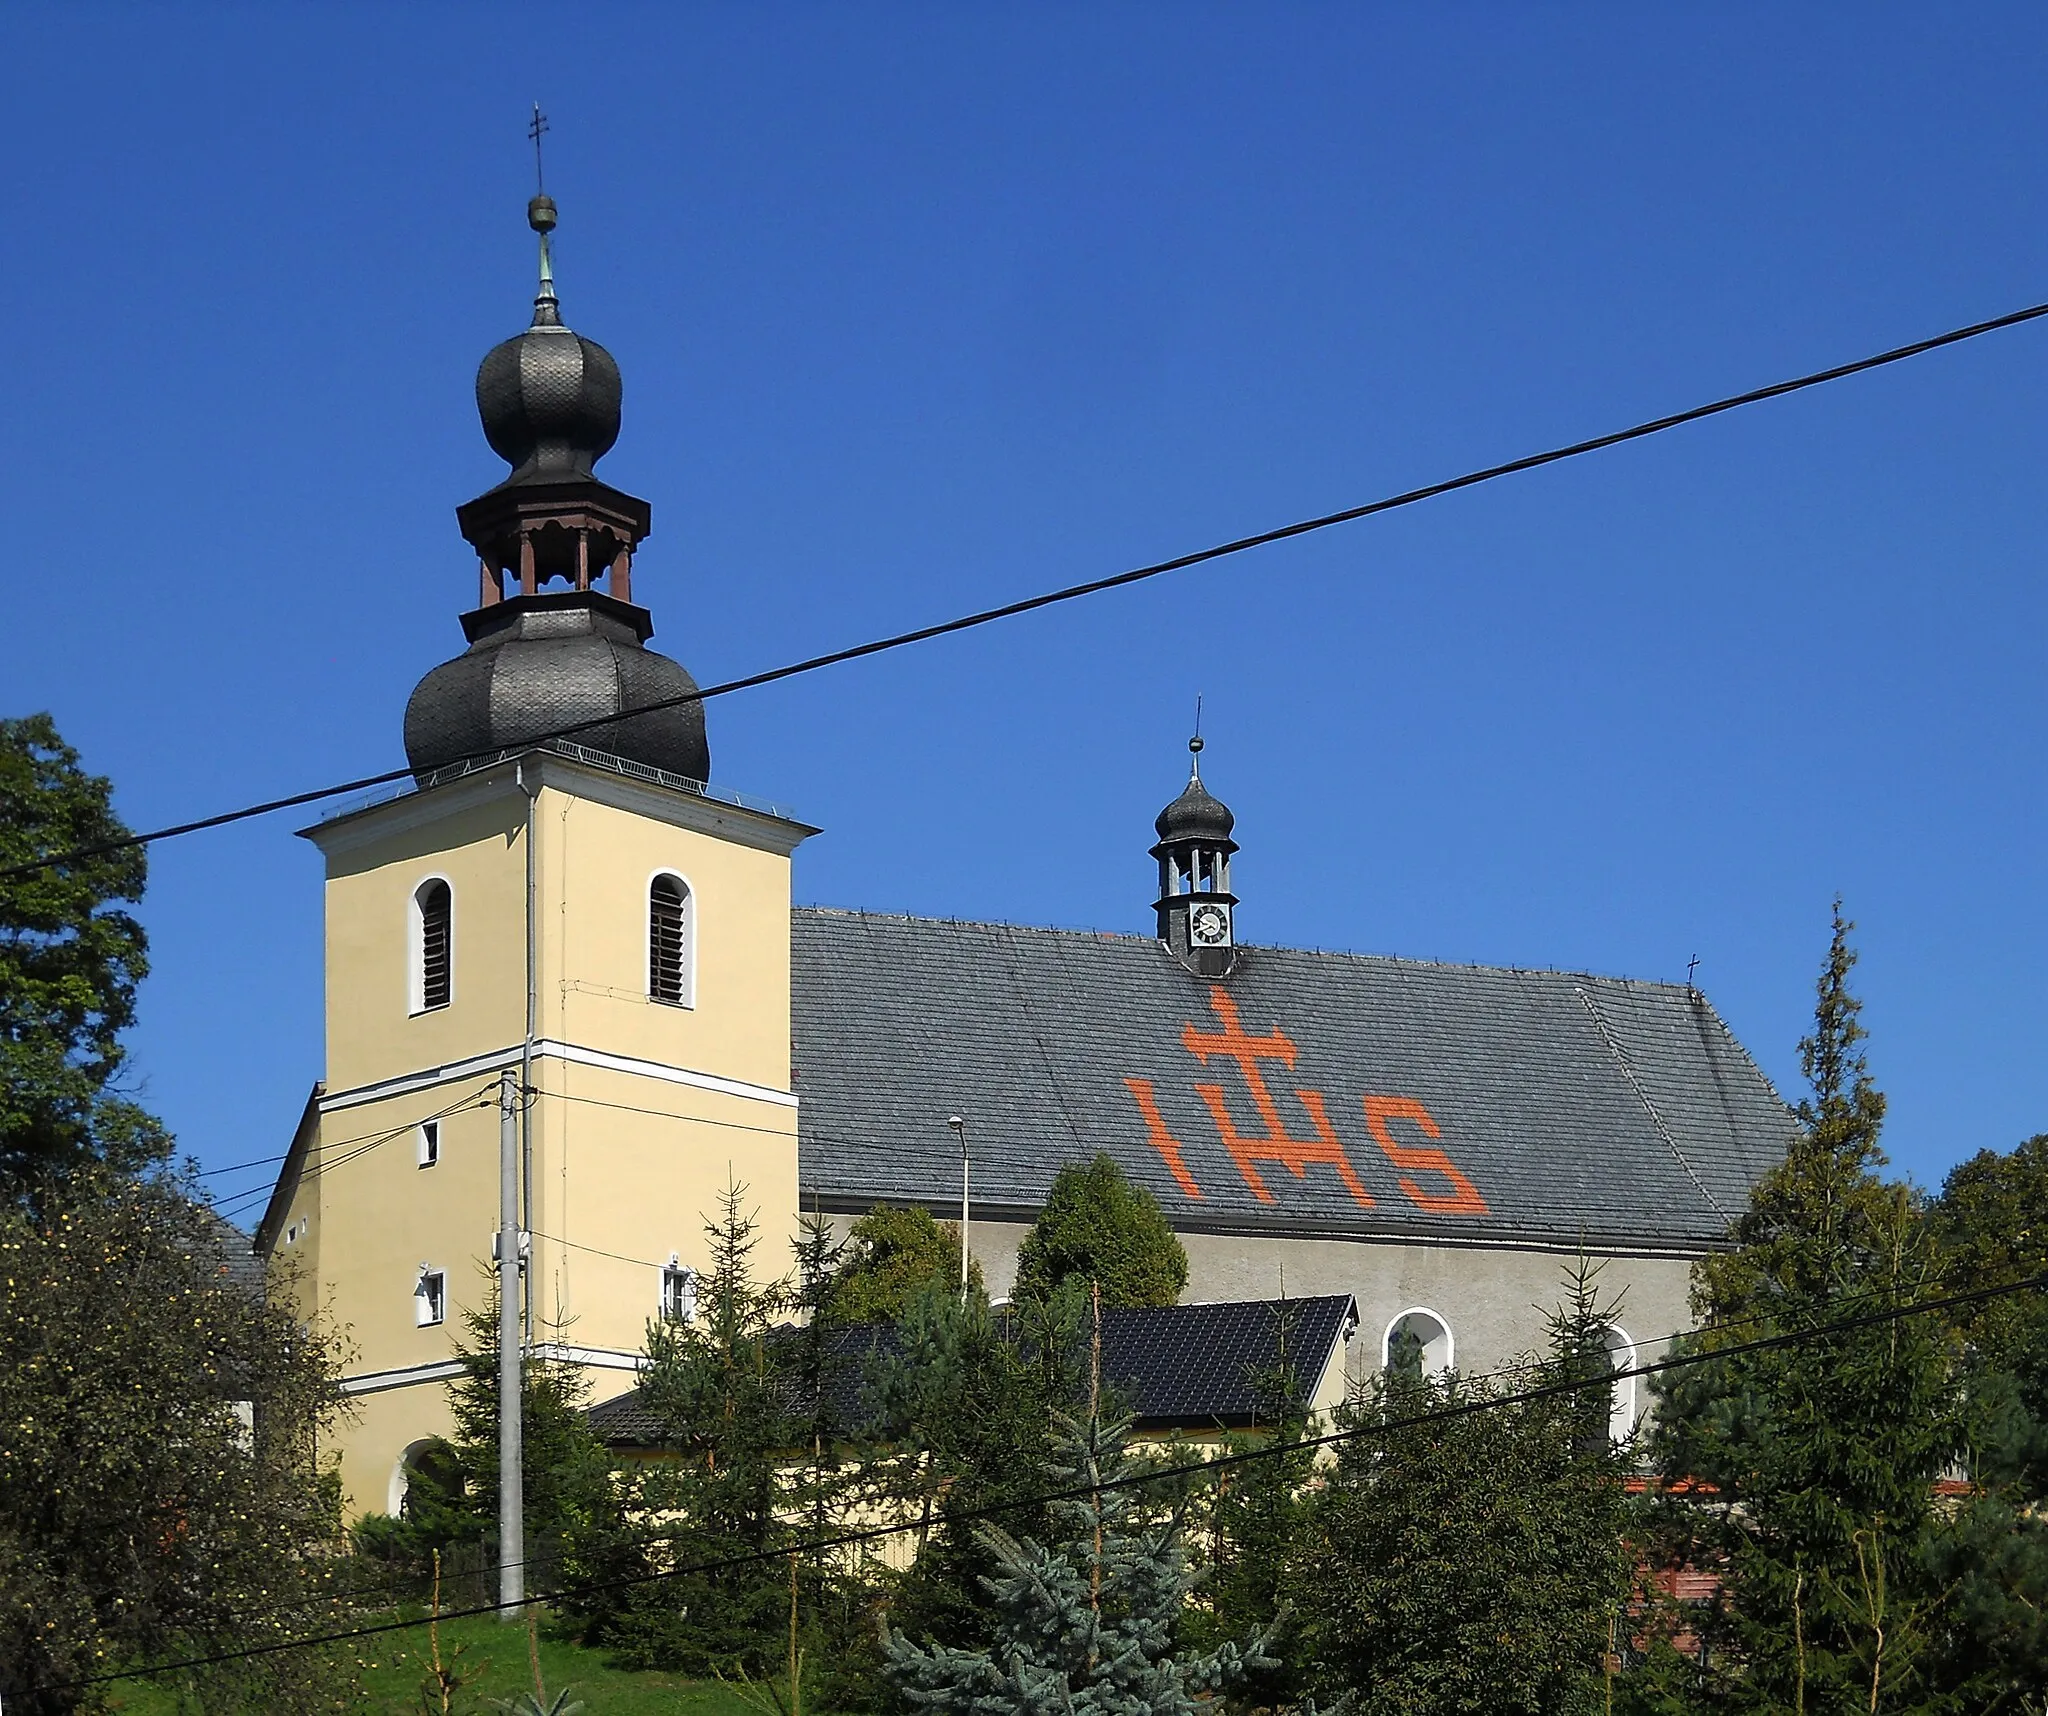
(1258, 1524)
(575, 1505)
(1086, 1623)
(1818, 1458)
(963, 1402)
(1472, 1561)
(716, 1382)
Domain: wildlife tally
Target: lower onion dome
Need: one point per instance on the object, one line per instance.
(536, 664)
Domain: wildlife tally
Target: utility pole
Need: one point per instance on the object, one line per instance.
(958, 1127)
(511, 1451)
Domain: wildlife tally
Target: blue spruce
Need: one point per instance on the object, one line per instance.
(1086, 1625)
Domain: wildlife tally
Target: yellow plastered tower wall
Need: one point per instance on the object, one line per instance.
(639, 1110)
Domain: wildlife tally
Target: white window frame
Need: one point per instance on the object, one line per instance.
(1621, 1416)
(428, 1134)
(401, 1474)
(689, 997)
(416, 948)
(430, 1298)
(676, 1270)
(1441, 1321)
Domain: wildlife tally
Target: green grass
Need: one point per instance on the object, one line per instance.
(494, 1662)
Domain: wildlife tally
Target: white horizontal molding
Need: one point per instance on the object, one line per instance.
(581, 1056)
(598, 1358)
(551, 1048)
(446, 1369)
(405, 1376)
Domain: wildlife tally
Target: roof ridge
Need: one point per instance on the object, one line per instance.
(1081, 932)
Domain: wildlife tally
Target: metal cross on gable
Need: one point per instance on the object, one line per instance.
(536, 129)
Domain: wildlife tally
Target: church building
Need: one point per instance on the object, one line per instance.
(1432, 1144)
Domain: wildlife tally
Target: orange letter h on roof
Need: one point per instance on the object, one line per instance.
(1233, 1043)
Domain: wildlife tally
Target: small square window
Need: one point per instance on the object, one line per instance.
(430, 1298)
(430, 1142)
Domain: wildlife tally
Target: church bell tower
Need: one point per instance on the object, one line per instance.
(582, 907)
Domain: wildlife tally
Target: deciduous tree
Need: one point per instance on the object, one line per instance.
(1097, 1227)
(71, 957)
(159, 1423)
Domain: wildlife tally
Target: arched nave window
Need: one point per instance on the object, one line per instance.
(1418, 1343)
(1621, 1414)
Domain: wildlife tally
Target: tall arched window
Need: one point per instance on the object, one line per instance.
(433, 924)
(670, 956)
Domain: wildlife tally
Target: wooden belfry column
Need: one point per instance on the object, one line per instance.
(580, 530)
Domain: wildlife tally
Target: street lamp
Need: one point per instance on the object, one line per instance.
(958, 1127)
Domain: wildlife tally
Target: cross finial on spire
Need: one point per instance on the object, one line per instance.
(1195, 744)
(540, 215)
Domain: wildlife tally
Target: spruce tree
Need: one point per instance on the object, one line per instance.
(963, 1402)
(1085, 1624)
(717, 1386)
(1804, 1474)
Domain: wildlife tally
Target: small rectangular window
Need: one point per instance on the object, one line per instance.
(430, 1298)
(430, 1143)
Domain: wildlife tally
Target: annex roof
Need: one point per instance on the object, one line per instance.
(1308, 1093)
(1175, 1367)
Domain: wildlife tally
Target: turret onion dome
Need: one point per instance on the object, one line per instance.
(1195, 815)
(540, 660)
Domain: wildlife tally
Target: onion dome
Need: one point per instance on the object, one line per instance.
(539, 659)
(538, 664)
(1195, 815)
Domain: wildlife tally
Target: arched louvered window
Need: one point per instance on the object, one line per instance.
(669, 954)
(433, 921)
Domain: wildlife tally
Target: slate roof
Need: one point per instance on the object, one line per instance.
(1306, 1093)
(1176, 1367)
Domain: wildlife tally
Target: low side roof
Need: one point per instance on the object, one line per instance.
(1308, 1093)
(1175, 1366)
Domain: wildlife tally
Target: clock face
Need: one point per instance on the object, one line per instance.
(1209, 926)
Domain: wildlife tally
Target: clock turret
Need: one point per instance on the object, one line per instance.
(1196, 908)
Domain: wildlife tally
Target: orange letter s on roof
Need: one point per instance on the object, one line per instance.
(1464, 1198)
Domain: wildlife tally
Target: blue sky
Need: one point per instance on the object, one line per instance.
(921, 308)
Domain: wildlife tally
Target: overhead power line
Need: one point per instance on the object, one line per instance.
(1083, 1492)
(240, 1203)
(1073, 592)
